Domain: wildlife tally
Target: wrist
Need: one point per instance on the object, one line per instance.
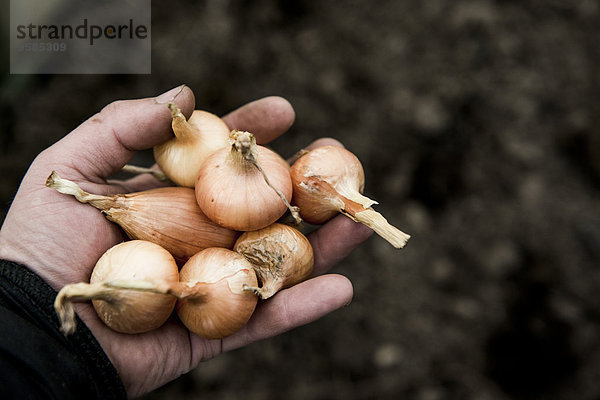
(27, 309)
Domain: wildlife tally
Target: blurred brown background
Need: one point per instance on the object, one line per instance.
(477, 122)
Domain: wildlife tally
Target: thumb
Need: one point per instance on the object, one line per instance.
(103, 144)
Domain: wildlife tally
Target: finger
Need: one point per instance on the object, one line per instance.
(266, 118)
(317, 143)
(326, 141)
(293, 307)
(104, 143)
(335, 240)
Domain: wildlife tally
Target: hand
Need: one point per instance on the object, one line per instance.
(61, 239)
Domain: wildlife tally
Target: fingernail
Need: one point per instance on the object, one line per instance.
(169, 96)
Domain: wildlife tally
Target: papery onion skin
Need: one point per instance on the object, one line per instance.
(224, 306)
(330, 179)
(236, 196)
(170, 217)
(334, 165)
(133, 311)
(167, 216)
(180, 158)
(281, 255)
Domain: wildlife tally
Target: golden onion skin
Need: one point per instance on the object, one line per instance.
(222, 305)
(281, 255)
(131, 311)
(236, 196)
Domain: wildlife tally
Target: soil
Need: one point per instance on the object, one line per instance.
(478, 124)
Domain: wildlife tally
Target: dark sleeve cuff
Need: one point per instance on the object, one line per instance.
(36, 359)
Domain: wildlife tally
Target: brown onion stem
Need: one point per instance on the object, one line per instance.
(358, 213)
(109, 291)
(382, 227)
(180, 290)
(65, 186)
(74, 293)
(181, 127)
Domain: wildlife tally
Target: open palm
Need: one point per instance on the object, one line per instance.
(61, 239)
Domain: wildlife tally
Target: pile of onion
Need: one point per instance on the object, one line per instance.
(220, 222)
(135, 285)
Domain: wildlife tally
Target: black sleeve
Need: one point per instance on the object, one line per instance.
(36, 360)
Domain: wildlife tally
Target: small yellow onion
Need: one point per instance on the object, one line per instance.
(125, 311)
(167, 216)
(180, 158)
(330, 179)
(218, 303)
(281, 255)
(244, 187)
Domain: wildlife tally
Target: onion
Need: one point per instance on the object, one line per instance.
(167, 216)
(180, 158)
(125, 311)
(219, 302)
(244, 187)
(281, 256)
(215, 299)
(330, 180)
